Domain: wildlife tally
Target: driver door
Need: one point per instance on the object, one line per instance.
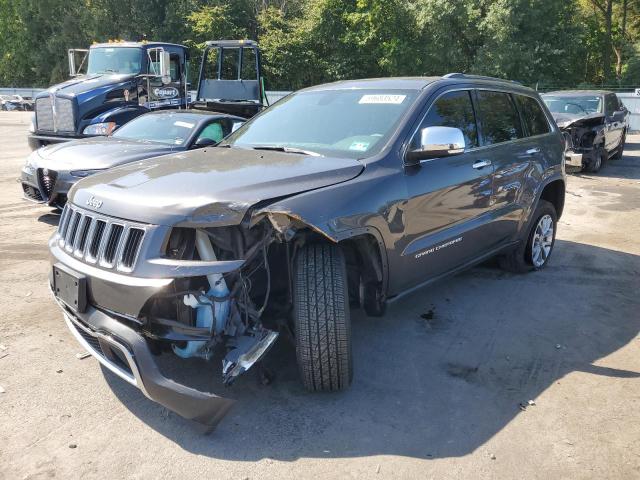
(448, 198)
(159, 94)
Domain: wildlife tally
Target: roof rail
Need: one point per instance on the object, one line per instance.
(478, 77)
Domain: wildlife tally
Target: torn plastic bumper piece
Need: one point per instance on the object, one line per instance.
(124, 352)
(248, 351)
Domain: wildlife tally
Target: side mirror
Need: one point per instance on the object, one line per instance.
(165, 67)
(160, 64)
(204, 142)
(436, 142)
(71, 54)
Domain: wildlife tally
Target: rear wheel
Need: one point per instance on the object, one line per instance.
(541, 237)
(620, 150)
(321, 316)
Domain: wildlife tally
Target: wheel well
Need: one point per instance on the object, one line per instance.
(554, 194)
(364, 262)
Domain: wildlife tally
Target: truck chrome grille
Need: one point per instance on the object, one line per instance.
(60, 119)
(64, 120)
(96, 239)
(44, 114)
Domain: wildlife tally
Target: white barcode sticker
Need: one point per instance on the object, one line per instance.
(184, 124)
(382, 99)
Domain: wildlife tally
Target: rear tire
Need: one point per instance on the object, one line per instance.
(321, 316)
(521, 259)
(620, 150)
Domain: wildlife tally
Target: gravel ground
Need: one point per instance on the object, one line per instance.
(486, 375)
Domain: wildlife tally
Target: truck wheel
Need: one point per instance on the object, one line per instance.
(598, 160)
(620, 150)
(321, 318)
(541, 237)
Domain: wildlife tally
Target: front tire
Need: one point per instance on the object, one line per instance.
(598, 160)
(540, 240)
(321, 317)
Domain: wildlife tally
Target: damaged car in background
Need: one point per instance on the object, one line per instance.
(339, 196)
(594, 125)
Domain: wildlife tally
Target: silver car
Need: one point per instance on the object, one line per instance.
(51, 171)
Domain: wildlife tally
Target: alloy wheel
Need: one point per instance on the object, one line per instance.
(542, 241)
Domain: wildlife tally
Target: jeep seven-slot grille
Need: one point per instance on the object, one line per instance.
(107, 242)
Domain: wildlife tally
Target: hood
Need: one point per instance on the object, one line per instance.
(87, 83)
(564, 120)
(97, 153)
(214, 186)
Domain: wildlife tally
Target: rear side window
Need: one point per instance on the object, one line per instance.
(532, 115)
(453, 109)
(500, 119)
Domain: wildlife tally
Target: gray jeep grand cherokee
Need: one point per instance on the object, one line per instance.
(341, 195)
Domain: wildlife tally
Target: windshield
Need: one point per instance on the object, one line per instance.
(170, 129)
(574, 105)
(114, 60)
(349, 123)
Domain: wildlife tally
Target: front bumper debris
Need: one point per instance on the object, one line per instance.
(125, 352)
(573, 159)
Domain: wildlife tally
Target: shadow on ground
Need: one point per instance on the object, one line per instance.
(444, 371)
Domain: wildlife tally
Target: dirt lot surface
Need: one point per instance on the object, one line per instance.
(486, 375)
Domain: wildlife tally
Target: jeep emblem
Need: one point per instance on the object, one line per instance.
(94, 202)
(165, 92)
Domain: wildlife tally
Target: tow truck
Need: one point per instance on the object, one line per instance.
(122, 80)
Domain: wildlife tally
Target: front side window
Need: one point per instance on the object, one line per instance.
(500, 119)
(216, 130)
(354, 123)
(121, 60)
(532, 115)
(174, 67)
(611, 104)
(453, 109)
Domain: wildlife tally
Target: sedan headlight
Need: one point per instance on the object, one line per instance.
(85, 173)
(100, 128)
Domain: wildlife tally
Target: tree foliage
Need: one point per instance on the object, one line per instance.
(305, 42)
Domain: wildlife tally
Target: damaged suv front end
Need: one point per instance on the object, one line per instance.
(593, 125)
(183, 272)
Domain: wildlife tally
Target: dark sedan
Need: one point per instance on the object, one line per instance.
(51, 171)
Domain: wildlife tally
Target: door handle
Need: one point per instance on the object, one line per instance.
(481, 164)
(532, 151)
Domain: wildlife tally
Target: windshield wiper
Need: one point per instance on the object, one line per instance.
(280, 148)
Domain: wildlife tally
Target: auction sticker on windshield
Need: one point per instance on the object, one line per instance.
(381, 99)
(184, 124)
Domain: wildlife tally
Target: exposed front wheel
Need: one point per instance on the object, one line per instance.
(321, 317)
(597, 161)
(541, 237)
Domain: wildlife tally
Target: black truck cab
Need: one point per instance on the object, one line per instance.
(120, 81)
